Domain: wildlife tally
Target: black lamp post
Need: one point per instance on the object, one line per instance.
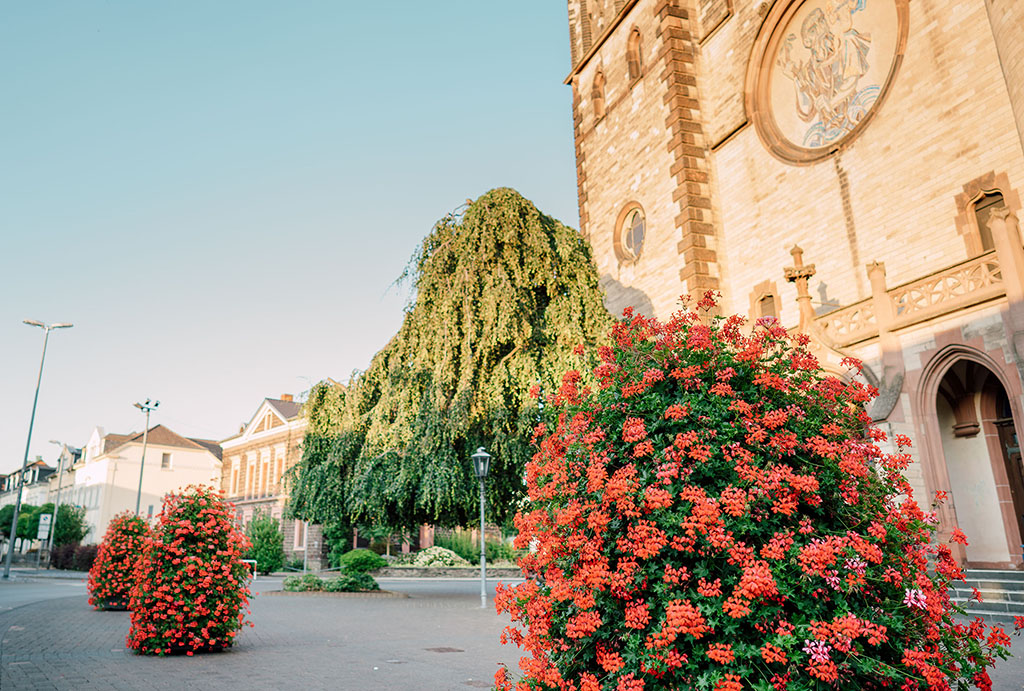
(481, 464)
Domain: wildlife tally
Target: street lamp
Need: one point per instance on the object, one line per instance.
(24, 464)
(481, 464)
(147, 408)
(56, 504)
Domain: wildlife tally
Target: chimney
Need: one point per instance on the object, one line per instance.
(286, 397)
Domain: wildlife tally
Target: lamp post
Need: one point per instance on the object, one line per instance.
(481, 464)
(56, 504)
(24, 464)
(147, 408)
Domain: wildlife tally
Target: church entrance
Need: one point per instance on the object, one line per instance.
(982, 454)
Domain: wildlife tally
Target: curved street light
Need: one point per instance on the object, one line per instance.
(24, 464)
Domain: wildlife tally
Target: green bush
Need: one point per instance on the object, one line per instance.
(361, 561)
(343, 583)
(70, 527)
(267, 544)
(305, 582)
(351, 583)
(466, 547)
(295, 564)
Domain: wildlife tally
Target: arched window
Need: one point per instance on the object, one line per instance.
(630, 232)
(766, 306)
(983, 208)
(597, 95)
(634, 65)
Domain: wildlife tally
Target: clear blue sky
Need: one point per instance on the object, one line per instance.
(219, 194)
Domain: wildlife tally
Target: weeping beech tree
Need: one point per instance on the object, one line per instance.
(501, 297)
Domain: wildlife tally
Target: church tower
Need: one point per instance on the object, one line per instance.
(852, 168)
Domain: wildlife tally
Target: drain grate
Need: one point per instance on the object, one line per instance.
(445, 650)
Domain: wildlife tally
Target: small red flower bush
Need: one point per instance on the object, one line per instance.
(190, 589)
(110, 578)
(715, 514)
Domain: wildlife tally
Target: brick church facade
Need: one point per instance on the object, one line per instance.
(853, 168)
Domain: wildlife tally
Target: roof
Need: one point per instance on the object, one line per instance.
(210, 445)
(286, 409)
(112, 441)
(164, 436)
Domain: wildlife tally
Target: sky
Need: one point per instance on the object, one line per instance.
(220, 196)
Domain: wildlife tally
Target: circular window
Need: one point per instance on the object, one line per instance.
(630, 232)
(819, 71)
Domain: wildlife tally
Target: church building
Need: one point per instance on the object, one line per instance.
(853, 168)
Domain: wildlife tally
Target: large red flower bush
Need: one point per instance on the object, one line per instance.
(191, 585)
(714, 514)
(110, 578)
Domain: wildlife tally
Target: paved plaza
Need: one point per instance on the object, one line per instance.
(434, 637)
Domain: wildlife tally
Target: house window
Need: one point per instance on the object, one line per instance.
(235, 471)
(633, 60)
(983, 208)
(250, 472)
(597, 96)
(766, 306)
(150, 513)
(630, 232)
(300, 535)
(165, 461)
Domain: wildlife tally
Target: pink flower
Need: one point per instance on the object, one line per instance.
(915, 598)
(818, 650)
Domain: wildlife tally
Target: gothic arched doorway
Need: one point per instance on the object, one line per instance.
(982, 457)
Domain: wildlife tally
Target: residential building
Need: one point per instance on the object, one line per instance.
(255, 462)
(105, 480)
(853, 169)
(34, 492)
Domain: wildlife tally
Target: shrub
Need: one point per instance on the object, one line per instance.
(343, 583)
(63, 556)
(351, 583)
(463, 544)
(84, 557)
(190, 587)
(438, 556)
(294, 564)
(267, 544)
(361, 561)
(110, 578)
(712, 517)
(70, 526)
(299, 584)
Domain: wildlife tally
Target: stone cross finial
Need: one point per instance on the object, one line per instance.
(800, 273)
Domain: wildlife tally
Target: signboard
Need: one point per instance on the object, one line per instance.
(44, 526)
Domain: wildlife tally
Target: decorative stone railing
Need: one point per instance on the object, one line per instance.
(968, 283)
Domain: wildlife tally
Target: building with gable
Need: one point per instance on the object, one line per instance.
(853, 168)
(105, 478)
(255, 462)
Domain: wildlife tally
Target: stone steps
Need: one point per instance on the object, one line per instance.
(1002, 595)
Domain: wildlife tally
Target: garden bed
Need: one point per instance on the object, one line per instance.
(447, 572)
(383, 594)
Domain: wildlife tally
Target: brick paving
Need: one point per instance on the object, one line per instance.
(298, 642)
(435, 640)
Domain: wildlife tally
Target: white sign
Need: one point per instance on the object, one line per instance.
(44, 526)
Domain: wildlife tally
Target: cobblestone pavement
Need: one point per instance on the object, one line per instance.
(437, 639)
(298, 642)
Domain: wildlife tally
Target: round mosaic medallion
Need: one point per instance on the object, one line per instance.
(819, 72)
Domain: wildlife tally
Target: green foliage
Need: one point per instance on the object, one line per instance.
(267, 543)
(343, 583)
(361, 561)
(33, 521)
(463, 544)
(502, 296)
(294, 564)
(351, 583)
(24, 521)
(303, 583)
(70, 527)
